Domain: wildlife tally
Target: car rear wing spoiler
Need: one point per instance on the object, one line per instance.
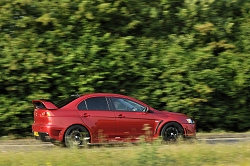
(43, 104)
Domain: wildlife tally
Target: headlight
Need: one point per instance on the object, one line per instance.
(189, 120)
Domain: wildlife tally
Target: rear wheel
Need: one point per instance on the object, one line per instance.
(76, 135)
(172, 132)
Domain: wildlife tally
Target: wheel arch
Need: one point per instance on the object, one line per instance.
(164, 124)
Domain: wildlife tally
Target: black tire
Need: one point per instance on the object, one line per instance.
(76, 135)
(172, 132)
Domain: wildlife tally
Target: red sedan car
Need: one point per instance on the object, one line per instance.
(106, 118)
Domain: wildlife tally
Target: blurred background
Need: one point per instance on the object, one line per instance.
(189, 56)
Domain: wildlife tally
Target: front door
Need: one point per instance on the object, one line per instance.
(132, 121)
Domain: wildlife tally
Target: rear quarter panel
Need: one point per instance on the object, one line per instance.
(67, 117)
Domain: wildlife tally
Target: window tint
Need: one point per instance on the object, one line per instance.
(127, 105)
(82, 106)
(95, 103)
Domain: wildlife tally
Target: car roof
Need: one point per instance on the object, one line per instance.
(104, 94)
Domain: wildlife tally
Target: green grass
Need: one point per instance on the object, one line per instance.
(181, 154)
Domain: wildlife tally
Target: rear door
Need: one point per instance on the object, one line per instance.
(131, 121)
(96, 114)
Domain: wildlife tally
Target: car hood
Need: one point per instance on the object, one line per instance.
(172, 113)
(167, 113)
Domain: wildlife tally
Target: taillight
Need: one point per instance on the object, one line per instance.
(47, 114)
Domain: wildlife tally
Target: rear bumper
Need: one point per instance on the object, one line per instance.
(42, 136)
(47, 133)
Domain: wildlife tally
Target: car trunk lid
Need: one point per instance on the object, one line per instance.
(43, 110)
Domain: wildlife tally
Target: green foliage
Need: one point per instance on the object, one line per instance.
(187, 56)
(178, 154)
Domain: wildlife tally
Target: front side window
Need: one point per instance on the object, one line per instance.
(127, 105)
(95, 103)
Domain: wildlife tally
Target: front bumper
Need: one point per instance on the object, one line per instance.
(189, 130)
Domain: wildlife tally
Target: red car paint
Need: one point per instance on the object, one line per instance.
(113, 124)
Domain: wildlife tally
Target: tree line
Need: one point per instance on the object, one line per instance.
(189, 56)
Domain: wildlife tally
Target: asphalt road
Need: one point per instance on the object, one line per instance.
(224, 140)
(32, 144)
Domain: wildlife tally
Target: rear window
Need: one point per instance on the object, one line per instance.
(66, 101)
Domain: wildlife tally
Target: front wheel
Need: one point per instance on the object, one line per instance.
(76, 135)
(172, 132)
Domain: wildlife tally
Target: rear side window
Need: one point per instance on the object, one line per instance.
(82, 106)
(95, 103)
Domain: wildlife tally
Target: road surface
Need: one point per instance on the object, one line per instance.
(32, 144)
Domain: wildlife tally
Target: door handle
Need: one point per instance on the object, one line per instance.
(120, 116)
(85, 115)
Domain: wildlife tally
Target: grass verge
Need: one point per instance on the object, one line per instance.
(181, 154)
